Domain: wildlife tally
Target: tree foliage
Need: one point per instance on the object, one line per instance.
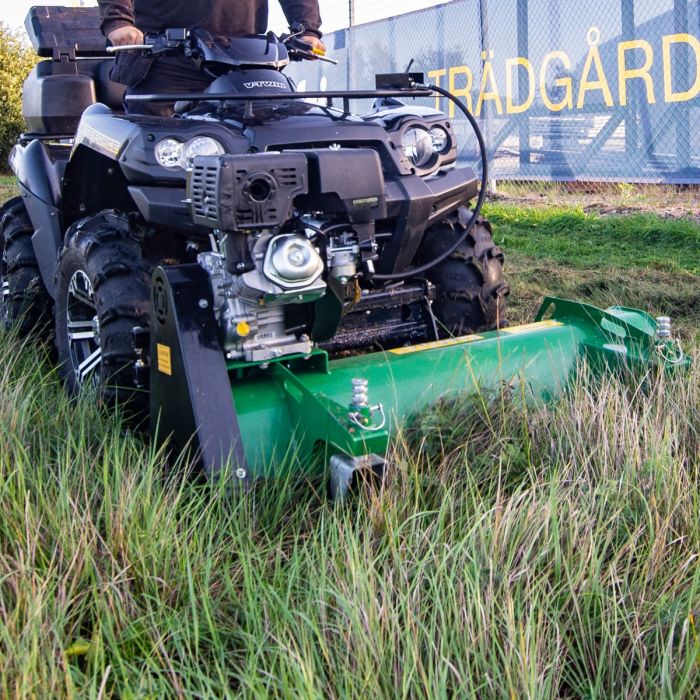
(16, 60)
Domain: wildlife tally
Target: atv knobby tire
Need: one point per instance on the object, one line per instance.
(102, 292)
(25, 305)
(469, 284)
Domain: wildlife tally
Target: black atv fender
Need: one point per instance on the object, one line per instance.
(39, 181)
(94, 180)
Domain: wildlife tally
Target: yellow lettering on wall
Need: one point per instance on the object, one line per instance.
(625, 73)
(512, 63)
(669, 94)
(436, 75)
(565, 82)
(593, 59)
(491, 93)
(465, 91)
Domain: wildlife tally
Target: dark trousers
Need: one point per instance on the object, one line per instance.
(162, 75)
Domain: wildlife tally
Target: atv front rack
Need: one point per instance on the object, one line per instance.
(345, 95)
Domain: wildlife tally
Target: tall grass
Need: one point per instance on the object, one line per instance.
(513, 552)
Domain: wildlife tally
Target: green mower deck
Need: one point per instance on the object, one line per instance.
(265, 419)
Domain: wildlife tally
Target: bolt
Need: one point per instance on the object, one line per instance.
(241, 473)
(203, 303)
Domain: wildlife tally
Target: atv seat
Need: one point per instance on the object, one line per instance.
(74, 74)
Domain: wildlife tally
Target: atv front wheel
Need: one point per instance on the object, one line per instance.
(470, 287)
(102, 284)
(25, 304)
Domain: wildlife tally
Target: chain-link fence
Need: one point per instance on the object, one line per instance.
(564, 92)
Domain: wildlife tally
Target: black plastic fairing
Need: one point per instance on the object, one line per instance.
(415, 204)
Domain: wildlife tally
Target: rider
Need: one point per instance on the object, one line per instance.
(125, 21)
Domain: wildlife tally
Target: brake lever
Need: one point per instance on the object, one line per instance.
(313, 56)
(300, 49)
(130, 47)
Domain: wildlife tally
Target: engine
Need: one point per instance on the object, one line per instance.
(287, 269)
(269, 256)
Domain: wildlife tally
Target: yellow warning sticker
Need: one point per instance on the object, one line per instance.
(437, 344)
(165, 364)
(528, 327)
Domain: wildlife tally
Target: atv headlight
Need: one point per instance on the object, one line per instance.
(439, 138)
(168, 152)
(418, 146)
(199, 146)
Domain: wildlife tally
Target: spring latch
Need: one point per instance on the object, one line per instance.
(362, 413)
(668, 347)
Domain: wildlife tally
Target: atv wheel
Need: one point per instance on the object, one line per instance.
(470, 286)
(102, 284)
(25, 303)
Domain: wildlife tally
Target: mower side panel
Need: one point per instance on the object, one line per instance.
(190, 392)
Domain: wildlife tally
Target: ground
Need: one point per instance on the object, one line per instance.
(514, 552)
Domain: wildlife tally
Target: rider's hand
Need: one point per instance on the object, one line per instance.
(125, 36)
(315, 44)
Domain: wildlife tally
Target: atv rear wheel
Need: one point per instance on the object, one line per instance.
(470, 286)
(25, 304)
(102, 292)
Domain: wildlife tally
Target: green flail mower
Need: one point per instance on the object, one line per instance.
(261, 417)
(275, 281)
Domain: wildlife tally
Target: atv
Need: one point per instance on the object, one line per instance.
(258, 260)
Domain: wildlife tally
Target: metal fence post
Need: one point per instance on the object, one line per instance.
(628, 33)
(680, 23)
(488, 116)
(523, 34)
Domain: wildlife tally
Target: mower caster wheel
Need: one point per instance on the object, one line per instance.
(470, 287)
(25, 304)
(347, 474)
(102, 293)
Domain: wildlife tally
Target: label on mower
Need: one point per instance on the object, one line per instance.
(515, 330)
(165, 364)
(527, 327)
(436, 344)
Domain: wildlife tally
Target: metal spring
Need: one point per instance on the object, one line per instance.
(360, 393)
(663, 327)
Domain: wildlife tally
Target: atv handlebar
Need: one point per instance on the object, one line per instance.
(162, 43)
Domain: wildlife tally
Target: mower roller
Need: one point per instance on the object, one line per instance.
(270, 280)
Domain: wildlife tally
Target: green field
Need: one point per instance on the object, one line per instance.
(513, 553)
